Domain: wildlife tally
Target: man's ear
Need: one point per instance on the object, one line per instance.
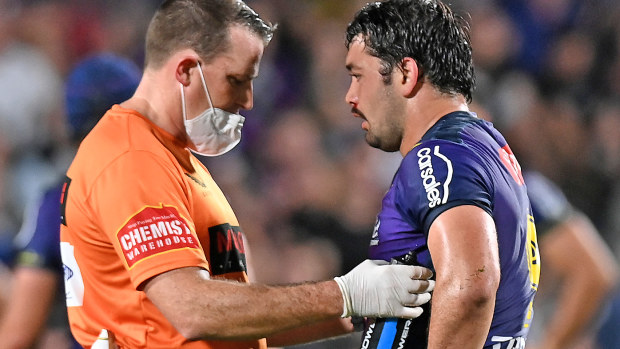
(184, 64)
(409, 76)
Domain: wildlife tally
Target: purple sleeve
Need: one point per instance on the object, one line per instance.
(438, 175)
(40, 242)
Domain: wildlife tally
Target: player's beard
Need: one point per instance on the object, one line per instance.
(388, 140)
(387, 135)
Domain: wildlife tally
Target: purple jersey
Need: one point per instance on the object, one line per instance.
(39, 247)
(39, 239)
(463, 160)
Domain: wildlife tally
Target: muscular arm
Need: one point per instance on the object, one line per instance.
(205, 308)
(587, 274)
(32, 295)
(463, 244)
(231, 310)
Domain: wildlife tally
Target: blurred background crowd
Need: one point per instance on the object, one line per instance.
(304, 184)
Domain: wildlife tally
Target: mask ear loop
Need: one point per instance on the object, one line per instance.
(204, 84)
(183, 101)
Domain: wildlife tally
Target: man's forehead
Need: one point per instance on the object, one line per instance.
(235, 65)
(357, 48)
(243, 55)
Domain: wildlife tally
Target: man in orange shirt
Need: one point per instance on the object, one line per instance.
(153, 254)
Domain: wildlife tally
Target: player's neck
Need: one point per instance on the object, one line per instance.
(424, 111)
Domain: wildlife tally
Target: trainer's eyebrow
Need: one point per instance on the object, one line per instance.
(351, 66)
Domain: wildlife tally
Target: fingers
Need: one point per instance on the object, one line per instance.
(410, 313)
(420, 286)
(414, 272)
(421, 273)
(415, 300)
(421, 298)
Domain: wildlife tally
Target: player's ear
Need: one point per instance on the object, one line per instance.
(409, 76)
(184, 62)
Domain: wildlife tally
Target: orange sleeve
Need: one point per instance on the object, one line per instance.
(141, 202)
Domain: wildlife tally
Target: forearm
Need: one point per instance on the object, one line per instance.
(255, 311)
(574, 309)
(461, 316)
(260, 311)
(587, 275)
(28, 308)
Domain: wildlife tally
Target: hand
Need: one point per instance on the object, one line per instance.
(375, 290)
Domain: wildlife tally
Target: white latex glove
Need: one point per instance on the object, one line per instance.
(105, 341)
(376, 289)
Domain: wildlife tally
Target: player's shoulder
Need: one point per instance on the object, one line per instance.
(454, 127)
(446, 161)
(437, 153)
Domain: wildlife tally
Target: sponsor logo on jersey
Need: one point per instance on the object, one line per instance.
(436, 192)
(368, 336)
(374, 239)
(74, 283)
(508, 342)
(512, 165)
(404, 334)
(154, 230)
(67, 272)
(227, 252)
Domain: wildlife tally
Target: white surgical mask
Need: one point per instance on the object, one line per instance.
(215, 131)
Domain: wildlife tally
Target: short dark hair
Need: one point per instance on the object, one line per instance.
(202, 25)
(425, 30)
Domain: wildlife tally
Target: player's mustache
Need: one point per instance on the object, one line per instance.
(357, 112)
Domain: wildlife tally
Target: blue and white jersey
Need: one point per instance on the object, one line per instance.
(463, 160)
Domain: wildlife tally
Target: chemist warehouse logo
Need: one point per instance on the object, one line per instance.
(432, 186)
(154, 230)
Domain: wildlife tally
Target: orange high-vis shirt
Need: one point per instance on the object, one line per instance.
(136, 204)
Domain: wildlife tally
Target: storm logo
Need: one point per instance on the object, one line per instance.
(431, 185)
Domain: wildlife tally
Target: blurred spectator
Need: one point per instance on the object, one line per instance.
(29, 109)
(91, 89)
(579, 269)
